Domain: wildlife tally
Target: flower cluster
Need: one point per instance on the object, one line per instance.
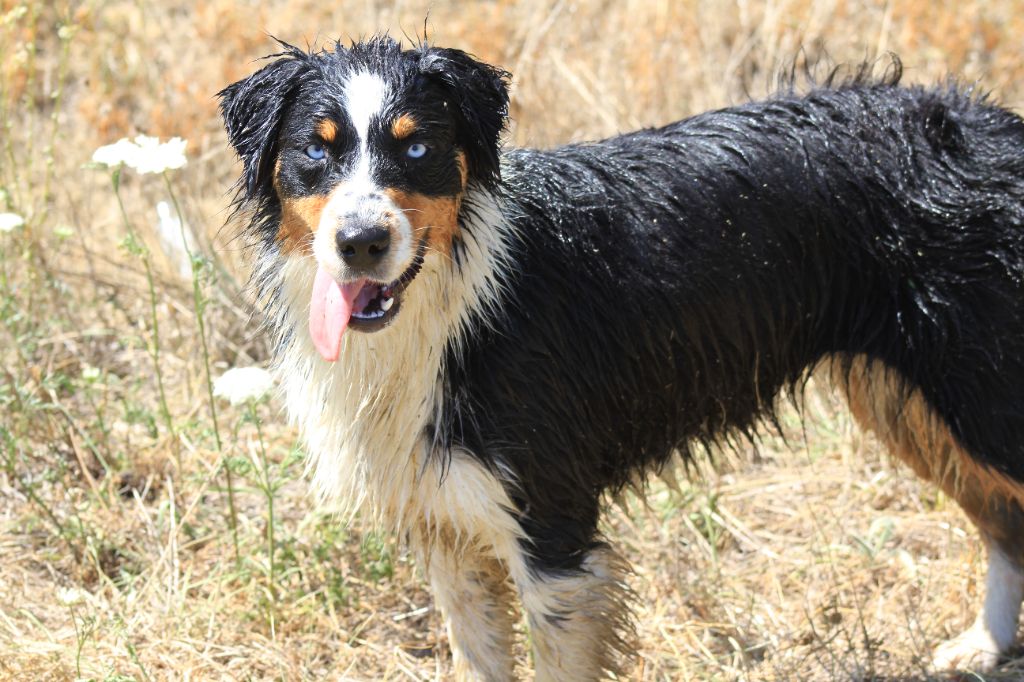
(69, 596)
(10, 221)
(145, 154)
(242, 384)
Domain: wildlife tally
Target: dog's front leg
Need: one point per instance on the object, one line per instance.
(472, 590)
(579, 619)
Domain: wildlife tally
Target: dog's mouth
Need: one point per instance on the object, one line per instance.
(362, 305)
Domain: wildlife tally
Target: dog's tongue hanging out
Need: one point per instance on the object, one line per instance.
(330, 311)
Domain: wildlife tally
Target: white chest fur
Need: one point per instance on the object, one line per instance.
(364, 418)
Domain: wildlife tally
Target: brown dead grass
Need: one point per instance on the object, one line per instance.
(813, 558)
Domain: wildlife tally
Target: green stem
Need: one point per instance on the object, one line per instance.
(29, 490)
(199, 305)
(80, 639)
(58, 93)
(28, 96)
(268, 490)
(154, 319)
(135, 658)
(99, 411)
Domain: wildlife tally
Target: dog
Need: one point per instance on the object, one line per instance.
(478, 343)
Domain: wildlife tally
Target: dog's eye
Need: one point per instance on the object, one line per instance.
(315, 152)
(416, 151)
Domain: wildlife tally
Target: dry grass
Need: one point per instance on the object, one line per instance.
(812, 559)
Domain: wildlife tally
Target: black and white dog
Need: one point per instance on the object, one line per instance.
(478, 343)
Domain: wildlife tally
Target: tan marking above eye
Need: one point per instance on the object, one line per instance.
(327, 129)
(404, 126)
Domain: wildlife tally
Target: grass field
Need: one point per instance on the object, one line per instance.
(151, 531)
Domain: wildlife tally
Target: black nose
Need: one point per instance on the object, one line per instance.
(362, 245)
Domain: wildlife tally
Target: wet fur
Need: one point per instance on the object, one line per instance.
(600, 306)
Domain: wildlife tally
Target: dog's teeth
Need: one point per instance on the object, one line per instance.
(369, 316)
(386, 304)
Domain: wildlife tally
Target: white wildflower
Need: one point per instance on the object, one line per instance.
(122, 152)
(242, 384)
(10, 222)
(156, 157)
(145, 154)
(13, 15)
(69, 596)
(176, 240)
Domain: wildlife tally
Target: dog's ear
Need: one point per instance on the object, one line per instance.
(252, 110)
(480, 94)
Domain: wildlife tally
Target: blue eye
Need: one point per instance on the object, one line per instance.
(315, 152)
(416, 151)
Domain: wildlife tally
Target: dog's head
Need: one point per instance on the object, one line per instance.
(361, 156)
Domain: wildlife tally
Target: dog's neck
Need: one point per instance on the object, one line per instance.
(365, 418)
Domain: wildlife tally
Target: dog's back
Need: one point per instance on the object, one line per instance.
(669, 282)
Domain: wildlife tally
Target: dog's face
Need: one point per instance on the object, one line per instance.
(362, 156)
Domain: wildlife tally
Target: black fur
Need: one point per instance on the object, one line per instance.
(252, 110)
(670, 282)
(481, 94)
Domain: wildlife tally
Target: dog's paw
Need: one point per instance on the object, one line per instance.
(974, 650)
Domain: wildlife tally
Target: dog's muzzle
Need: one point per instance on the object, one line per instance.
(356, 286)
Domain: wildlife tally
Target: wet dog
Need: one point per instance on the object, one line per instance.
(478, 343)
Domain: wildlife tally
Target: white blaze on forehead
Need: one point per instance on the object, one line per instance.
(364, 99)
(364, 95)
(358, 195)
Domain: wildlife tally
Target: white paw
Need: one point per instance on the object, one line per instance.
(975, 650)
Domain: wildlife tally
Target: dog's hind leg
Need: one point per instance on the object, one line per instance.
(472, 590)
(579, 619)
(901, 417)
(978, 648)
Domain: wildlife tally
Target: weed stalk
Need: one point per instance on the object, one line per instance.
(135, 246)
(199, 307)
(268, 491)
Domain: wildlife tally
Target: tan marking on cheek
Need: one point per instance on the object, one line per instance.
(404, 126)
(914, 433)
(300, 217)
(435, 217)
(328, 130)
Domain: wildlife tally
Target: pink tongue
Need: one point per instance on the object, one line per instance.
(330, 311)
